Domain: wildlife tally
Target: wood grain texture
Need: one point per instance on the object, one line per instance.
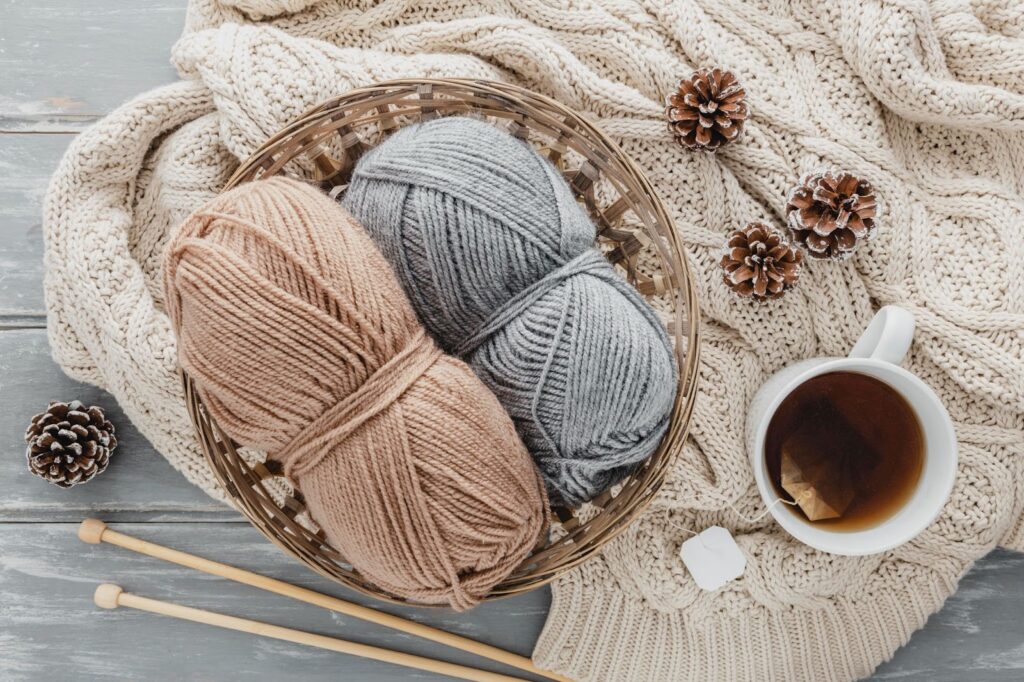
(138, 484)
(47, 577)
(50, 629)
(64, 63)
(977, 636)
(26, 164)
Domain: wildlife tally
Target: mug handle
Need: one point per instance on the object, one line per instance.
(887, 337)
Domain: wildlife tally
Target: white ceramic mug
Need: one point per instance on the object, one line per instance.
(877, 353)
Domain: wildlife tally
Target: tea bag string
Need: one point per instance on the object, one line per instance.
(738, 513)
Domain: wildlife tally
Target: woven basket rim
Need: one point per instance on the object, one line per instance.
(314, 138)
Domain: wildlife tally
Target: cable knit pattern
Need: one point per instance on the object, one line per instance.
(923, 99)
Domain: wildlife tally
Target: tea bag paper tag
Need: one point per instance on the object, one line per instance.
(713, 558)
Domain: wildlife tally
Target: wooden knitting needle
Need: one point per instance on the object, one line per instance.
(94, 531)
(111, 596)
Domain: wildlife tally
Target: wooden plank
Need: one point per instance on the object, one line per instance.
(66, 62)
(26, 321)
(26, 164)
(977, 636)
(139, 484)
(49, 628)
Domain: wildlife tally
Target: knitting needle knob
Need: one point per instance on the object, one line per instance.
(91, 531)
(108, 596)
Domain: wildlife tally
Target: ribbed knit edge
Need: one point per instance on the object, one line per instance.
(596, 635)
(1015, 538)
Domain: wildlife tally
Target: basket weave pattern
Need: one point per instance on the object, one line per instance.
(634, 231)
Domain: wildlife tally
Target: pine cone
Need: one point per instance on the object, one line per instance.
(69, 443)
(830, 213)
(707, 110)
(758, 262)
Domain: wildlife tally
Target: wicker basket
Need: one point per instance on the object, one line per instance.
(633, 227)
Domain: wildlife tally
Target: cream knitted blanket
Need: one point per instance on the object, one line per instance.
(924, 99)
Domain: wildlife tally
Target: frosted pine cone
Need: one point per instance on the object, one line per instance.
(831, 213)
(759, 263)
(707, 110)
(69, 443)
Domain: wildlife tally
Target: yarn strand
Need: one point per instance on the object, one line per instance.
(499, 260)
(302, 344)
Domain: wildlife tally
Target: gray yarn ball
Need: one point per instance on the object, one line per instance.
(498, 259)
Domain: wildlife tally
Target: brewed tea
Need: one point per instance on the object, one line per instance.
(847, 448)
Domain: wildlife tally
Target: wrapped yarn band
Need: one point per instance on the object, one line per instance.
(587, 262)
(383, 387)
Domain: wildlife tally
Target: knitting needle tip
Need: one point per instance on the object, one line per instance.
(91, 531)
(108, 596)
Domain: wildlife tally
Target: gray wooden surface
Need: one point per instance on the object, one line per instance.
(63, 63)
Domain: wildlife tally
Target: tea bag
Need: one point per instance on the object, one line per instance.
(713, 558)
(813, 485)
(823, 475)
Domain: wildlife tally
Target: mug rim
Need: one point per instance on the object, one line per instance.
(831, 541)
